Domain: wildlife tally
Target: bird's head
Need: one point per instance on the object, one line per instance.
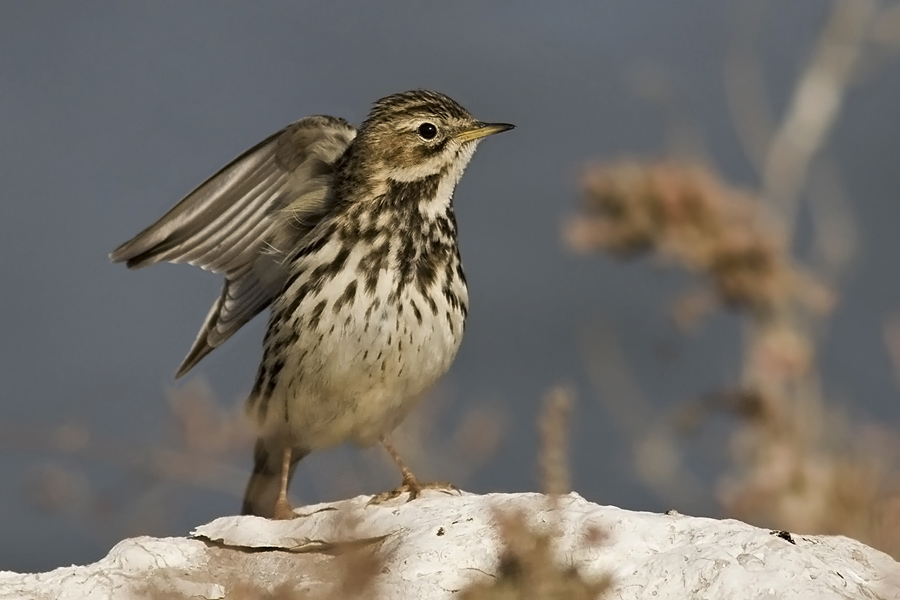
(418, 134)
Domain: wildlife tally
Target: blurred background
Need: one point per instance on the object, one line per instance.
(745, 153)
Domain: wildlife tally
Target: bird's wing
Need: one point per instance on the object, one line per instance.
(242, 220)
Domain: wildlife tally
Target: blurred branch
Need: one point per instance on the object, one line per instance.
(658, 461)
(801, 464)
(198, 454)
(745, 85)
(835, 234)
(795, 454)
(553, 460)
(653, 84)
(205, 437)
(886, 28)
(814, 106)
(529, 564)
(687, 215)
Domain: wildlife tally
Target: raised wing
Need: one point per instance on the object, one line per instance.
(241, 222)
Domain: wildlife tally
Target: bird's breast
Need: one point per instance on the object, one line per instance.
(360, 343)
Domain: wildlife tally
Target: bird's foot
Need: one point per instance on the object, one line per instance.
(283, 511)
(414, 488)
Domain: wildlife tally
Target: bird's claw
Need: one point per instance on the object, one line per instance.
(283, 511)
(412, 487)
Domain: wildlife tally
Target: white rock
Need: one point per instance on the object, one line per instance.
(438, 544)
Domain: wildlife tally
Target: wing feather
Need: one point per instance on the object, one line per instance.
(234, 224)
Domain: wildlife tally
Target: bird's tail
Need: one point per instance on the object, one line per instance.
(265, 482)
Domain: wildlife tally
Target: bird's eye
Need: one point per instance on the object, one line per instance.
(427, 131)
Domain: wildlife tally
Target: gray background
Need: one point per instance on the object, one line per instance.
(111, 112)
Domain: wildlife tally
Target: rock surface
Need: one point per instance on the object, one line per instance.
(440, 544)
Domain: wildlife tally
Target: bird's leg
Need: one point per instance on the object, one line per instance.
(410, 483)
(408, 478)
(283, 509)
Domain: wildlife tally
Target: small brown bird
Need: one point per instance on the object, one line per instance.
(350, 236)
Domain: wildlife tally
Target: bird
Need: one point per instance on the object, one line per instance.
(349, 237)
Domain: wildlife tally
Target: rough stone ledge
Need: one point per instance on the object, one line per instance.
(438, 544)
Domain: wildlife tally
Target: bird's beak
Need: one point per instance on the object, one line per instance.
(482, 129)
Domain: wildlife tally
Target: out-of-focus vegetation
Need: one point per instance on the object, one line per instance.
(798, 463)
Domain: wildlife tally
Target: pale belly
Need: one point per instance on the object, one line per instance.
(355, 373)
